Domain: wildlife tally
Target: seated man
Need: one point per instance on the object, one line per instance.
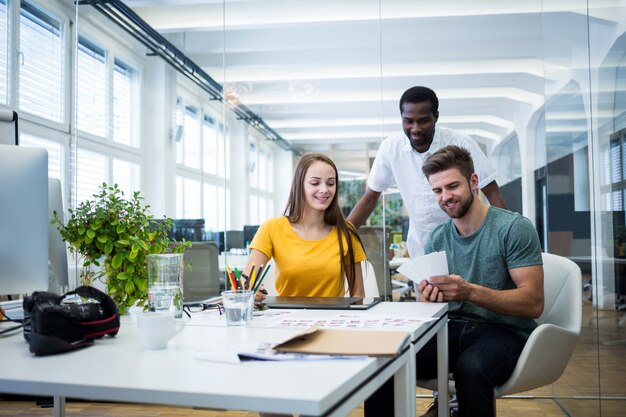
(494, 290)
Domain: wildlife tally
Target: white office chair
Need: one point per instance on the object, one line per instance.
(369, 280)
(552, 343)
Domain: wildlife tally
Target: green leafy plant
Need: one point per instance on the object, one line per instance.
(120, 233)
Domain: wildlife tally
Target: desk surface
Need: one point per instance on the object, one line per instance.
(397, 262)
(118, 369)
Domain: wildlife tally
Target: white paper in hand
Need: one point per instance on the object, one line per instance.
(424, 267)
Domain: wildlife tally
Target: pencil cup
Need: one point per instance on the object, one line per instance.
(238, 307)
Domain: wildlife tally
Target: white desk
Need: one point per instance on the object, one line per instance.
(396, 262)
(118, 369)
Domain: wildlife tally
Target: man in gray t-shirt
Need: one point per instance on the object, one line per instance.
(494, 290)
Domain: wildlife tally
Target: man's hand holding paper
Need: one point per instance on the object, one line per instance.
(428, 272)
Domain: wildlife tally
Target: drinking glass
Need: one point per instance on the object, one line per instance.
(165, 283)
(238, 307)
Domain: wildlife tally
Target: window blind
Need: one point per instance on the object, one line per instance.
(191, 139)
(91, 88)
(4, 52)
(124, 111)
(209, 146)
(41, 69)
(91, 172)
(126, 175)
(55, 153)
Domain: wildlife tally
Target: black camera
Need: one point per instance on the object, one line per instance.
(53, 325)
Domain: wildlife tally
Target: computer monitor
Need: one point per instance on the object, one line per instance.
(23, 219)
(57, 251)
(248, 232)
(8, 126)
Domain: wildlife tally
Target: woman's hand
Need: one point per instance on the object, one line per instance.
(261, 293)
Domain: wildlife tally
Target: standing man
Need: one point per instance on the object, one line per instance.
(494, 290)
(399, 162)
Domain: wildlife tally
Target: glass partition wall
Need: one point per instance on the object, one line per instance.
(213, 130)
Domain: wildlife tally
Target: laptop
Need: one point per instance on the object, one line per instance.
(202, 299)
(323, 303)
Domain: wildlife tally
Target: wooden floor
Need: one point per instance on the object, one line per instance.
(593, 385)
(506, 408)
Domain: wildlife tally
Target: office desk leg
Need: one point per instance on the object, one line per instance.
(442, 370)
(59, 406)
(404, 383)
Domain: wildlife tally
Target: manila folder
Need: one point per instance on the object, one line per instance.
(345, 342)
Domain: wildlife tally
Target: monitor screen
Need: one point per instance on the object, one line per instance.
(24, 219)
(249, 232)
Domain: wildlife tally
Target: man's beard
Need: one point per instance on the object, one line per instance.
(463, 208)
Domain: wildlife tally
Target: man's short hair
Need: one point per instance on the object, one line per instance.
(449, 157)
(419, 94)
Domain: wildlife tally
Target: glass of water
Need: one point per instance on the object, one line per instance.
(238, 307)
(165, 283)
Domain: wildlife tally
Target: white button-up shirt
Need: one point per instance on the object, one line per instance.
(398, 164)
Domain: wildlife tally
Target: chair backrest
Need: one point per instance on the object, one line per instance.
(204, 277)
(375, 241)
(562, 293)
(369, 280)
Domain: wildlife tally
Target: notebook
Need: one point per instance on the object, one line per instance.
(330, 303)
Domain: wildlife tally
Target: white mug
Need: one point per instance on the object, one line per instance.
(157, 328)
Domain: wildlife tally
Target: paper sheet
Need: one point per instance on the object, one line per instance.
(424, 267)
(346, 321)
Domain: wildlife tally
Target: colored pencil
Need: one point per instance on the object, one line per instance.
(231, 279)
(257, 276)
(258, 284)
(251, 277)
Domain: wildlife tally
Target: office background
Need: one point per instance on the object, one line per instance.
(205, 107)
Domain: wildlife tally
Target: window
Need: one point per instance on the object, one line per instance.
(124, 108)
(200, 153)
(260, 174)
(253, 174)
(91, 89)
(4, 53)
(210, 146)
(41, 57)
(614, 173)
(210, 208)
(91, 172)
(191, 138)
(126, 176)
(188, 198)
(55, 153)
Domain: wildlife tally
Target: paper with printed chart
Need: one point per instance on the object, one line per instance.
(424, 267)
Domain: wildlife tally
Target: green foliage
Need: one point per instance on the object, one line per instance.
(352, 191)
(122, 233)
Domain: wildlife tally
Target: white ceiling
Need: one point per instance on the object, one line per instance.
(327, 74)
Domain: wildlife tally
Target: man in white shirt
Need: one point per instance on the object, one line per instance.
(399, 163)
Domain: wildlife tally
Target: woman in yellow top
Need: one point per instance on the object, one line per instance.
(312, 244)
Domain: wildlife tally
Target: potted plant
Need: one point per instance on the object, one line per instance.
(119, 233)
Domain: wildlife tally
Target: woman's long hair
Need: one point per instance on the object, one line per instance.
(332, 215)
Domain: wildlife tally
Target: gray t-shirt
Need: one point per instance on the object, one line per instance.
(504, 241)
